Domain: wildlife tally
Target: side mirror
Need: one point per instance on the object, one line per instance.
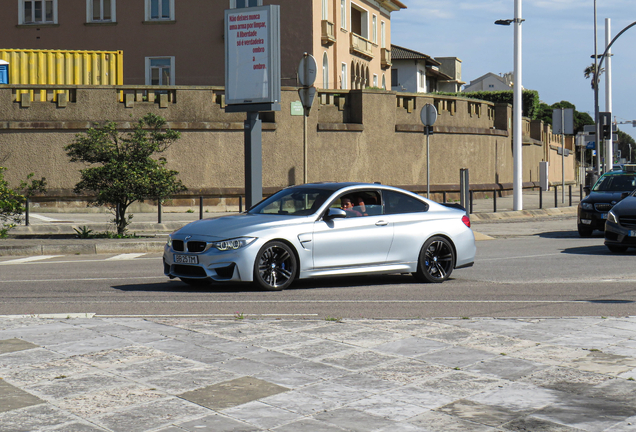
(624, 195)
(335, 213)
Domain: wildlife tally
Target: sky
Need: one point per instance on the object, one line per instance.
(557, 45)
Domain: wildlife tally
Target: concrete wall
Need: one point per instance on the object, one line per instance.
(360, 135)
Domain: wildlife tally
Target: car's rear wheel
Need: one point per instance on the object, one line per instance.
(617, 249)
(585, 231)
(275, 267)
(437, 260)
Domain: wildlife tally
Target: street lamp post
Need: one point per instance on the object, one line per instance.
(517, 145)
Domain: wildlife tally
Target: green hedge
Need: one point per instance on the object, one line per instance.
(530, 99)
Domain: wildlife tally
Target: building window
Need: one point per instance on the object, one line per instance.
(100, 11)
(237, 4)
(325, 71)
(343, 77)
(382, 35)
(157, 10)
(422, 75)
(375, 81)
(359, 21)
(325, 10)
(160, 71)
(394, 78)
(383, 82)
(38, 12)
(343, 14)
(374, 31)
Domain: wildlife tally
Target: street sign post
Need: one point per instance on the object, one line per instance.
(428, 115)
(307, 71)
(563, 123)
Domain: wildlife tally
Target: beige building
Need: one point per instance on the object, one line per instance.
(181, 42)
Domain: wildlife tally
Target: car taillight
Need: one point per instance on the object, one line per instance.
(466, 220)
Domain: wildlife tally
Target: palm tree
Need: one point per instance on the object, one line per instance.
(589, 71)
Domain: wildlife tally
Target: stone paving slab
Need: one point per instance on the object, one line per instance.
(180, 374)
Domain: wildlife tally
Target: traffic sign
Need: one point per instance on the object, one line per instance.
(307, 70)
(307, 95)
(428, 115)
(591, 145)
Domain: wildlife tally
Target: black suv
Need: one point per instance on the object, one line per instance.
(611, 188)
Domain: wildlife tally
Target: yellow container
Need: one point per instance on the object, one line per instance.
(63, 67)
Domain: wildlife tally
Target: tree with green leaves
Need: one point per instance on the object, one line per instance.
(544, 112)
(125, 166)
(589, 72)
(12, 200)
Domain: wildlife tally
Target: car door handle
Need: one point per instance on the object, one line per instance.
(381, 223)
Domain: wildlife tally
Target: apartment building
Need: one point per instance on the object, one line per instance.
(181, 42)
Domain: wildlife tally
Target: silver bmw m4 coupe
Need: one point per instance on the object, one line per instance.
(324, 229)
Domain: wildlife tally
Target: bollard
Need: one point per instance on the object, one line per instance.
(581, 191)
(471, 202)
(444, 195)
(556, 198)
(200, 207)
(494, 201)
(570, 187)
(240, 204)
(540, 198)
(26, 212)
(159, 211)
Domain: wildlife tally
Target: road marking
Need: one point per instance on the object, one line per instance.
(197, 315)
(29, 259)
(75, 261)
(278, 302)
(126, 256)
(519, 257)
(83, 279)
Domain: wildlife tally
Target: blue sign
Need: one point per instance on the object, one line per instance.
(591, 145)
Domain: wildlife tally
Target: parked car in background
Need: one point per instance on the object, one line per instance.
(324, 229)
(610, 188)
(620, 227)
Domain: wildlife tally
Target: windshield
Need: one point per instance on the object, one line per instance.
(616, 183)
(293, 202)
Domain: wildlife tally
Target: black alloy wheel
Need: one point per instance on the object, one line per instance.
(437, 260)
(275, 267)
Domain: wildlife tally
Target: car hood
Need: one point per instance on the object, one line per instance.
(226, 227)
(625, 207)
(603, 197)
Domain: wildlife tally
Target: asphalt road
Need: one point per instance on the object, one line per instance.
(528, 269)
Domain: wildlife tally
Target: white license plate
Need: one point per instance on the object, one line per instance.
(186, 259)
(603, 215)
(632, 233)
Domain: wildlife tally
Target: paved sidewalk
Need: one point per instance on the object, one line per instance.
(170, 375)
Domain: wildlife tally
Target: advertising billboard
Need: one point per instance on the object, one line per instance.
(252, 55)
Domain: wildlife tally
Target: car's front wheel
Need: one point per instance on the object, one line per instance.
(617, 249)
(437, 260)
(585, 231)
(275, 267)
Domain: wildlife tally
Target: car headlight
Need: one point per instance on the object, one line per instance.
(233, 244)
(612, 217)
(169, 242)
(587, 206)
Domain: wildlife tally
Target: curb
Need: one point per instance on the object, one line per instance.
(523, 214)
